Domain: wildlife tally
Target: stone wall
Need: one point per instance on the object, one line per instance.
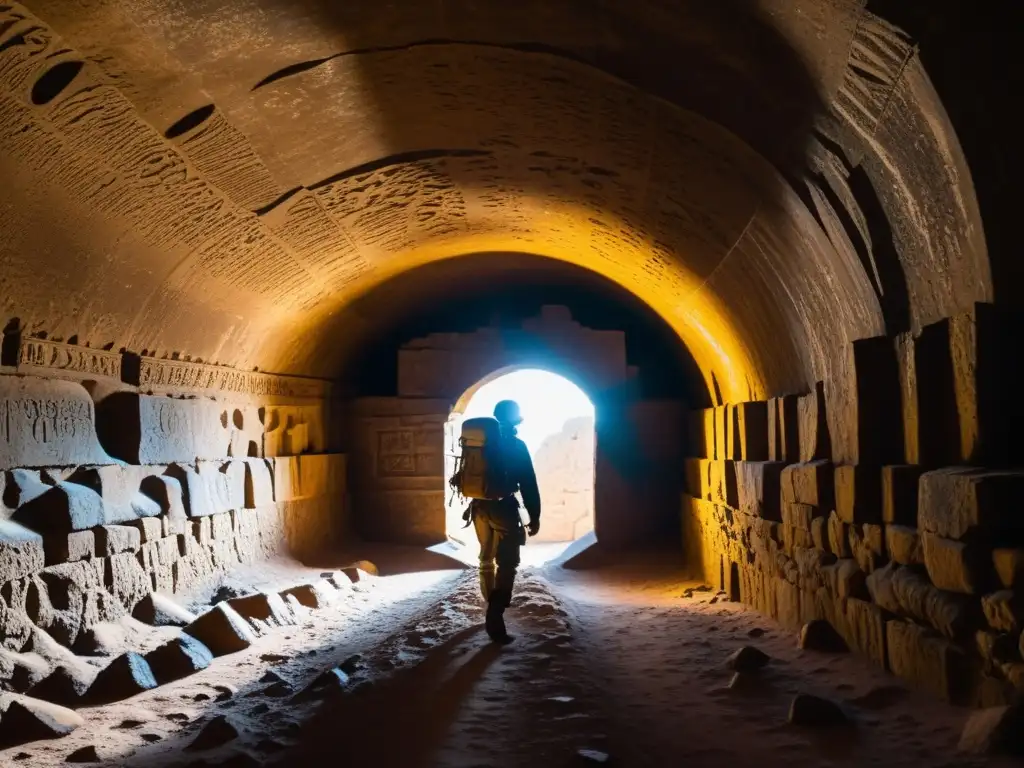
(913, 552)
(122, 475)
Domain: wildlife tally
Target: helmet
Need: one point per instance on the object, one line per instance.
(507, 412)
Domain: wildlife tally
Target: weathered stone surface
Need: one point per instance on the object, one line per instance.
(1004, 610)
(899, 494)
(954, 565)
(21, 551)
(997, 650)
(28, 720)
(146, 429)
(15, 627)
(126, 676)
(21, 671)
(63, 508)
(844, 579)
(46, 423)
(312, 596)
(214, 488)
(809, 483)
(867, 545)
(126, 579)
(167, 493)
(69, 547)
(747, 659)
(1009, 565)
(178, 658)
(863, 628)
(953, 502)
(300, 477)
(927, 660)
(799, 515)
(162, 611)
(751, 429)
(858, 494)
(759, 488)
(217, 732)
(151, 529)
(903, 545)
(259, 483)
(86, 754)
(192, 570)
(264, 610)
(783, 429)
(290, 430)
(819, 534)
(905, 592)
(222, 630)
(20, 486)
(115, 539)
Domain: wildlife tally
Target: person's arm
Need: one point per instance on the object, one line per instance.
(528, 486)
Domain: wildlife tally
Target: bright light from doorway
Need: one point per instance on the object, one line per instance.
(547, 402)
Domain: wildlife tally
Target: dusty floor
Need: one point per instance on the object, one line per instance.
(608, 663)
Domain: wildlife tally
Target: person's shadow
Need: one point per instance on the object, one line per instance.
(401, 721)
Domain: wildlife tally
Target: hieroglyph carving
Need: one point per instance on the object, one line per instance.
(46, 423)
(43, 353)
(410, 452)
(177, 374)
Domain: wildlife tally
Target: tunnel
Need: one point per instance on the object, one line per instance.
(256, 256)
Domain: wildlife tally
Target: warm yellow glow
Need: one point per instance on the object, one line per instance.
(565, 232)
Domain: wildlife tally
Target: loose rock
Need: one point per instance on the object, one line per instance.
(994, 730)
(178, 658)
(29, 720)
(83, 755)
(222, 630)
(217, 732)
(124, 677)
(819, 635)
(747, 659)
(64, 686)
(808, 710)
(162, 611)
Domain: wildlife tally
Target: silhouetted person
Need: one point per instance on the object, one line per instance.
(499, 526)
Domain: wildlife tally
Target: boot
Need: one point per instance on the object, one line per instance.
(495, 621)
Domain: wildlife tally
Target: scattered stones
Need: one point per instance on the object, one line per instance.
(126, 676)
(312, 596)
(814, 711)
(264, 610)
(271, 677)
(273, 658)
(819, 635)
(226, 592)
(222, 630)
(333, 680)
(131, 724)
(83, 755)
(178, 658)
(277, 690)
(994, 730)
(747, 659)
(217, 732)
(755, 633)
(28, 720)
(162, 611)
(225, 692)
(151, 738)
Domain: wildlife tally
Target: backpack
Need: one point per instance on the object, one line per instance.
(483, 471)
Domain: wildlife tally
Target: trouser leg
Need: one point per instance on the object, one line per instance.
(508, 536)
(485, 534)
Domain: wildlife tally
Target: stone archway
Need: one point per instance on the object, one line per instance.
(563, 449)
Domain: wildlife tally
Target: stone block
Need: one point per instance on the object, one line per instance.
(175, 526)
(126, 580)
(63, 508)
(867, 545)
(878, 435)
(956, 566)
(904, 344)
(150, 529)
(21, 486)
(167, 492)
(700, 442)
(956, 501)
(858, 493)
(1009, 566)
(214, 487)
(819, 534)
(313, 596)
(222, 527)
(795, 538)
(838, 536)
(927, 660)
(844, 579)
(290, 430)
(246, 429)
(264, 611)
(154, 429)
(69, 547)
(759, 488)
(899, 494)
(46, 423)
(126, 676)
(222, 630)
(751, 428)
(247, 534)
(787, 603)
(301, 477)
(863, 629)
(189, 572)
(119, 486)
(1004, 611)
(810, 483)
(905, 592)
(720, 432)
(783, 429)
(21, 551)
(815, 442)
(115, 539)
(178, 658)
(708, 433)
(903, 545)
(259, 484)
(799, 515)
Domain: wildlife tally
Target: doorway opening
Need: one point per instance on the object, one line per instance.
(558, 429)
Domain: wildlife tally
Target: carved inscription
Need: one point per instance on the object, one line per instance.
(43, 353)
(46, 423)
(176, 374)
(410, 452)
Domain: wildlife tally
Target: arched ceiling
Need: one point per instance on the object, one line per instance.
(221, 179)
